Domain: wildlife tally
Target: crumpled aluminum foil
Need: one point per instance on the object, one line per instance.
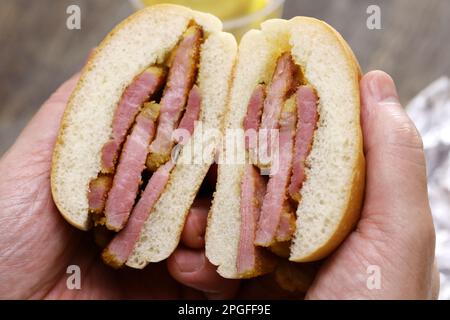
(430, 111)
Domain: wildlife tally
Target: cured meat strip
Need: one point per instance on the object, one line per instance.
(275, 197)
(192, 111)
(308, 116)
(132, 162)
(252, 120)
(120, 248)
(140, 90)
(180, 80)
(98, 192)
(255, 106)
(284, 79)
(252, 193)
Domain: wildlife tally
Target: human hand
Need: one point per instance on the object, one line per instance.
(395, 233)
(37, 245)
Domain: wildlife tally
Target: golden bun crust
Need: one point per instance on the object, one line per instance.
(355, 193)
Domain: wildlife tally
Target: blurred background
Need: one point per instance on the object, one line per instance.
(409, 39)
(39, 51)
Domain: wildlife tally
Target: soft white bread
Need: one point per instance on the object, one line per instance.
(332, 193)
(141, 40)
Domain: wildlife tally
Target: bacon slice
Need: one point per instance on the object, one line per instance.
(192, 112)
(284, 80)
(140, 90)
(252, 193)
(275, 197)
(308, 116)
(120, 248)
(179, 82)
(132, 162)
(98, 192)
(252, 120)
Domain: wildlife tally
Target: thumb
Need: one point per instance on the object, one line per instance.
(396, 191)
(39, 136)
(48, 118)
(395, 232)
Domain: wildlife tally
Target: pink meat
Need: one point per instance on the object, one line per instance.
(128, 176)
(284, 80)
(192, 111)
(180, 79)
(120, 248)
(255, 106)
(252, 194)
(98, 191)
(275, 196)
(308, 116)
(139, 91)
(252, 119)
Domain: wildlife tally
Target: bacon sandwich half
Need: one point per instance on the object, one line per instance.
(295, 97)
(163, 70)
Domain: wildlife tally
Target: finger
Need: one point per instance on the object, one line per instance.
(53, 108)
(193, 235)
(44, 126)
(193, 269)
(39, 136)
(396, 188)
(41, 131)
(266, 287)
(435, 281)
(191, 294)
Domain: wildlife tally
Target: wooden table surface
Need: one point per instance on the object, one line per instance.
(38, 52)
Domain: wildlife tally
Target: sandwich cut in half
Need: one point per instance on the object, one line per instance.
(291, 183)
(132, 127)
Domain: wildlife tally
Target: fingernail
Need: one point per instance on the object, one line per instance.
(189, 261)
(382, 88)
